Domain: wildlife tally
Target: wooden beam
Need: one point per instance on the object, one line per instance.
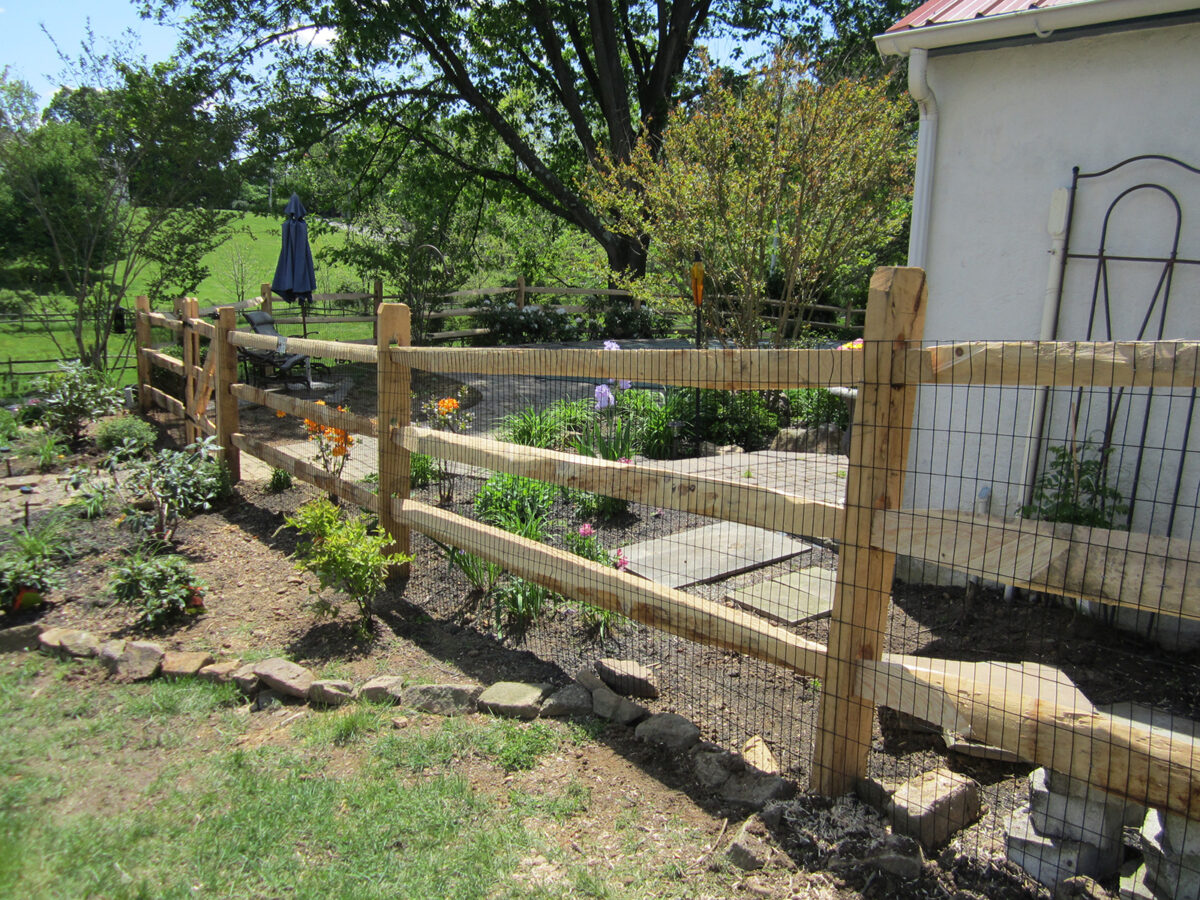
(723, 369)
(162, 360)
(1035, 712)
(225, 365)
(1149, 573)
(162, 320)
(326, 349)
(715, 497)
(878, 447)
(1161, 364)
(323, 320)
(306, 409)
(202, 328)
(142, 342)
(166, 401)
(190, 356)
(671, 610)
(306, 471)
(394, 403)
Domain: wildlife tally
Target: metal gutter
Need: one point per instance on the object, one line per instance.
(1039, 23)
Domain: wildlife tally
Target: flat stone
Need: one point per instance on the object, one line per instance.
(184, 663)
(1168, 874)
(220, 672)
(1051, 861)
(284, 677)
(589, 679)
(81, 644)
(874, 793)
(513, 699)
(1093, 818)
(442, 699)
(50, 640)
(245, 678)
(709, 553)
(797, 597)
(956, 743)
(1134, 887)
(750, 848)
(608, 704)
(1060, 783)
(330, 692)
(19, 637)
(625, 676)
(758, 756)
(712, 767)
(140, 660)
(823, 438)
(573, 700)
(669, 730)
(1080, 887)
(754, 789)
(1180, 836)
(109, 653)
(933, 806)
(897, 855)
(708, 448)
(383, 689)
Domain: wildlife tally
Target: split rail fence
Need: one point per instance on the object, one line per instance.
(1029, 710)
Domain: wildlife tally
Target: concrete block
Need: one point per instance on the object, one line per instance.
(1132, 813)
(1050, 860)
(1168, 874)
(1134, 887)
(933, 806)
(1092, 817)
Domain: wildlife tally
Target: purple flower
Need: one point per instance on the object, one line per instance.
(586, 530)
(604, 397)
(611, 345)
(624, 384)
(621, 561)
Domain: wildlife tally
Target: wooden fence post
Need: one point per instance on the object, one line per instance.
(225, 375)
(395, 409)
(375, 306)
(264, 291)
(142, 340)
(875, 480)
(188, 310)
(520, 292)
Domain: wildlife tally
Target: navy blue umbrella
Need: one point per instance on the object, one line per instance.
(295, 279)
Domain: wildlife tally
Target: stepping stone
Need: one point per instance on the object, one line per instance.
(796, 597)
(709, 553)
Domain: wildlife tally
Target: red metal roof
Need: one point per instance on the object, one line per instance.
(943, 12)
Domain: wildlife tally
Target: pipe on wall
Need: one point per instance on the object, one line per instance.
(927, 130)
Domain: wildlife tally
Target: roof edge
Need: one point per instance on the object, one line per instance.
(1026, 23)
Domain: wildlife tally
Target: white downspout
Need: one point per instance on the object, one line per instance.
(920, 91)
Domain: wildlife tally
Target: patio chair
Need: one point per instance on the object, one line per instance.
(271, 365)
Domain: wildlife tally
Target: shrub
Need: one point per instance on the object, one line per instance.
(24, 582)
(133, 435)
(345, 555)
(160, 587)
(521, 498)
(507, 324)
(45, 448)
(552, 428)
(421, 470)
(817, 406)
(281, 480)
(75, 396)
(1075, 488)
(158, 491)
(519, 603)
(9, 425)
(731, 417)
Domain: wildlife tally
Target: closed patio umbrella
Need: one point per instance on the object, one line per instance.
(295, 279)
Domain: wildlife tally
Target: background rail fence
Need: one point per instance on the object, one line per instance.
(1007, 681)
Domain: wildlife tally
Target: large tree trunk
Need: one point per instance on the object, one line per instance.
(626, 254)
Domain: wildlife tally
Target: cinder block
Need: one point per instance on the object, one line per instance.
(1090, 816)
(1132, 813)
(1133, 887)
(1168, 874)
(933, 806)
(1050, 860)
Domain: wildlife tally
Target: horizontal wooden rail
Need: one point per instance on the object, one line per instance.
(1035, 712)
(461, 333)
(1162, 364)
(306, 471)
(202, 328)
(321, 320)
(1149, 573)
(636, 598)
(725, 369)
(646, 484)
(240, 305)
(325, 349)
(305, 409)
(575, 291)
(161, 320)
(454, 313)
(163, 361)
(166, 401)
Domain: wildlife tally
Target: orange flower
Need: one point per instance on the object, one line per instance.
(446, 406)
(280, 414)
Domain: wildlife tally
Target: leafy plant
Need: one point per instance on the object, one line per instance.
(42, 541)
(1075, 488)
(162, 587)
(523, 498)
(74, 397)
(479, 572)
(345, 554)
(519, 603)
(158, 491)
(45, 448)
(281, 480)
(129, 433)
(552, 428)
(421, 470)
(9, 425)
(446, 414)
(818, 406)
(584, 542)
(333, 444)
(507, 324)
(729, 417)
(24, 581)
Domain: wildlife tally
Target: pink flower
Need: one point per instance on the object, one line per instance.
(586, 530)
(625, 459)
(622, 562)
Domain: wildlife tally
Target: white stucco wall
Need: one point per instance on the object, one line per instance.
(1013, 123)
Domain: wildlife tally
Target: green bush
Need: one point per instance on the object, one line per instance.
(507, 324)
(817, 406)
(520, 498)
(133, 435)
(1075, 488)
(421, 470)
(24, 582)
(730, 417)
(45, 448)
(158, 491)
(281, 480)
(9, 426)
(552, 428)
(160, 587)
(74, 397)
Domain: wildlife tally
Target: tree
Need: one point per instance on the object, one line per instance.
(119, 180)
(775, 183)
(560, 83)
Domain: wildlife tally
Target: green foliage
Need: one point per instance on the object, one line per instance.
(518, 746)
(776, 180)
(9, 426)
(159, 490)
(1075, 488)
(552, 428)
(29, 563)
(135, 436)
(161, 587)
(731, 417)
(45, 448)
(345, 554)
(532, 324)
(480, 573)
(818, 406)
(421, 470)
(523, 499)
(74, 397)
(520, 603)
(281, 480)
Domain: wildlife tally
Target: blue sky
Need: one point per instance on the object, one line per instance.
(29, 53)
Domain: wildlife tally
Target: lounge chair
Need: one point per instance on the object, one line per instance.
(271, 365)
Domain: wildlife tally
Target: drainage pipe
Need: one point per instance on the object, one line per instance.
(927, 129)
